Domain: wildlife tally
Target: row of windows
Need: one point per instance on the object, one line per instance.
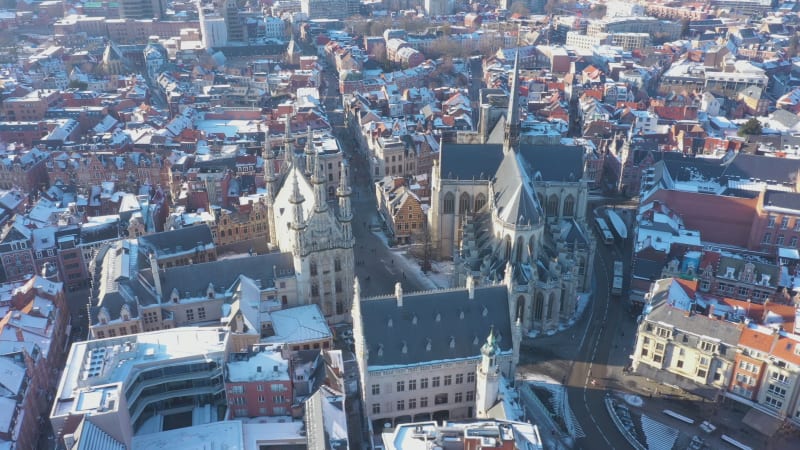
(438, 399)
(238, 389)
(464, 203)
(784, 223)
(337, 266)
(423, 382)
(112, 332)
(201, 314)
(781, 240)
(276, 411)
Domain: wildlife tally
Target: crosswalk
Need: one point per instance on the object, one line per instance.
(657, 435)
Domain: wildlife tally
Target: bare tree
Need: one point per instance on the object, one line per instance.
(422, 247)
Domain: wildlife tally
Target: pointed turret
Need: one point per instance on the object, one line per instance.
(511, 142)
(309, 151)
(345, 210)
(270, 178)
(318, 181)
(297, 199)
(288, 150)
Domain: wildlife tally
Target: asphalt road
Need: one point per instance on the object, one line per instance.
(586, 380)
(376, 267)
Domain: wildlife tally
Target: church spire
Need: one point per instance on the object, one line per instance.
(318, 181)
(297, 199)
(309, 151)
(288, 151)
(345, 210)
(270, 179)
(511, 141)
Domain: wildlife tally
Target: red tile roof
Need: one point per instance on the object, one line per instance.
(703, 212)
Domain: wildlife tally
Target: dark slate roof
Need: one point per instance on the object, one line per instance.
(216, 164)
(223, 274)
(99, 233)
(183, 239)
(647, 269)
(468, 333)
(234, 51)
(470, 161)
(682, 168)
(763, 168)
(481, 161)
(554, 162)
(781, 199)
(514, 197)
(723, 330)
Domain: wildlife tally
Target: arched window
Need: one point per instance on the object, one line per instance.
(331, 192)
(337, 264)
(552, 206)
(313, 268)
(449, 203)
(480, 200)
(520, 307)
(538, 306)
(551, 308)
(508, 248)
(569, 206)
(532, 247)
(463, 203)
(519, 249)
(541, 199)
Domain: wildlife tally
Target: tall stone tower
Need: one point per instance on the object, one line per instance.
(488, 377)
(318, 236)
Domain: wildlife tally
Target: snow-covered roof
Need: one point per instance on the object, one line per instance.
(266, 365)
(11, 376)
(300, 324)
(218, 435)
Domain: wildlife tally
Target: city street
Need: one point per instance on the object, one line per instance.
(583, 355)
(376, 267)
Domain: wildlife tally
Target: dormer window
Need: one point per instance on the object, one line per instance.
(210, 291)
(729, 271)
(708, 347)
(103, 317)
(174, 297)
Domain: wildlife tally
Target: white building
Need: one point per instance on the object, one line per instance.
(121, 384)
(302, 223)
(274, 27)
(418, 353)
(624, 9)
(213, 30)
(678, 346)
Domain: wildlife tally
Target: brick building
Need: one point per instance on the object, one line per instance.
(258, 384)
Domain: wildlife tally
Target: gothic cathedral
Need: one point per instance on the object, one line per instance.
(516, 213)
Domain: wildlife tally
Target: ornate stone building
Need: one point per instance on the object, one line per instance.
(318, 236)
(517, 212)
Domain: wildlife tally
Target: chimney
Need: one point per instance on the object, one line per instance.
(398, 292)
(471, 287)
